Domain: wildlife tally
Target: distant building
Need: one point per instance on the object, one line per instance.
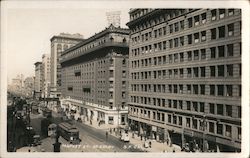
(29, 86)
(185, 84)
(60, 43)
(114, 18)
(94, 78)
(38, 79)
(45, 75)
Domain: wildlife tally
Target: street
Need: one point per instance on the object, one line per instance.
(93, 140)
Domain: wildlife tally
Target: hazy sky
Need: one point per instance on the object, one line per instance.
(29, 32)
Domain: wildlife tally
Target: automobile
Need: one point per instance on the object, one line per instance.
(186, 147)
(124, 137)
(36, 140)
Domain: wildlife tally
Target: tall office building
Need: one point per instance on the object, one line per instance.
(38, 79)
(45, 75)
(185, 76)
(94, 78)
(60, 43)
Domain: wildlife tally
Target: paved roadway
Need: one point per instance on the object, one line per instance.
(93, 140)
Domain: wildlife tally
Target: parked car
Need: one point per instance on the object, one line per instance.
(124, 137)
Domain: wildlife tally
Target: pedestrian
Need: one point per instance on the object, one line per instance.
(149, 143)
(107, 135)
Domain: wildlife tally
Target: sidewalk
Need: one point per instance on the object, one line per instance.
(136, 141)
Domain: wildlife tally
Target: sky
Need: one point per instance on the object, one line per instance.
(29, 31)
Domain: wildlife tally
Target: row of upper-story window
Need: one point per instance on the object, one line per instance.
(228, 90)
(215, 33)
(157, 20)
(198, 123)
(191, 106)
(196, 20)
(222, 51)
(229, 70)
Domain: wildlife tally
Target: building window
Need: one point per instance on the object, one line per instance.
(176, 42)
(230, 29)
(164, 30)
(229, 90)
(189, 89)
(181, 41)
(213, 12)
(171, 43)
(222, 32)
(195, 106)
(220, 89)
(189, 53)
(188, 122)
(220, 110)
(212, 71)
(219, 129)
(164, 45)
(221, 51)
(222, 13)
(211, 127)
(221, 71)
(202, 107)
(196, 72)
(111, 120)
(202, 89)
(229, 110)
(203, 18)
(230, 12)
(230, 50)
(188, 105)
(189, 39)
(213, 52)
(203, 72)
(169, 118)
(180, 120)
(213, 33)
(212, 89)
(190, 22)
(239, 132)
(228, 131)
(181, 57)
(196, 37)
(211, 108)
(196, 20)
(203, 36)
(196, 54)
(195, 123)
(182, 24)
(176, 27)
(239, 111)
(171, 28)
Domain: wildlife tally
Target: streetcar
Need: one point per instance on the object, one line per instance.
(52, 130)
(69, 132)
(47, 113)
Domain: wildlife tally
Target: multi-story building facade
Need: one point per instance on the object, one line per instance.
(38, 79)
(185, 76)
(60, 43)
(94, 78)
(45, 75)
